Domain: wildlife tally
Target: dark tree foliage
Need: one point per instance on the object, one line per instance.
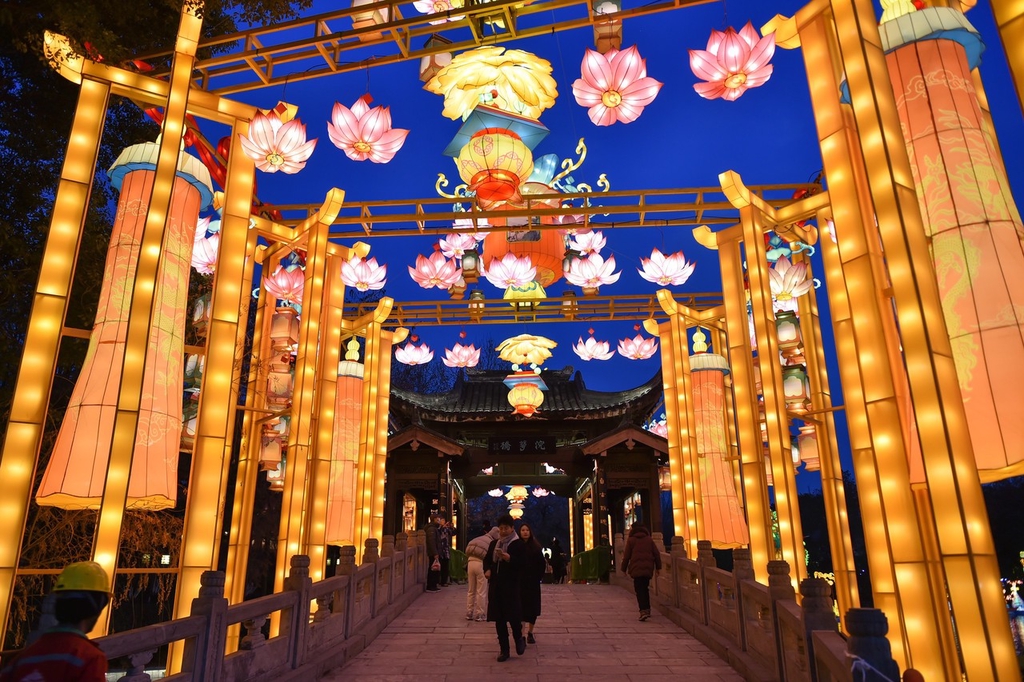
(1005, 503)
(35, 120)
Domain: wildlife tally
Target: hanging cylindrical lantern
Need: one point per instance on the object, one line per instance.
(432, 63)
(796, 387)
(807, 442)
(341, 503)
(526, 393)
(494, 163)
(787, 324)
(76, 471)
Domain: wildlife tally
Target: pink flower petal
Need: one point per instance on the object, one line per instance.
(712, 90)
(596, 70)
(601, 115)
(627, 67)
(705, 66)
(642, 92)
(733, 52)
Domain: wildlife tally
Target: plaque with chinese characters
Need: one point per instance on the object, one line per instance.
(533, 445)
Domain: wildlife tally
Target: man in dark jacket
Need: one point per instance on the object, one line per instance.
(430, 532)
(501, 567)
(641, 561)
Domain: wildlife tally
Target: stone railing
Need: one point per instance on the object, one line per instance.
(321, 625)
(761, 630)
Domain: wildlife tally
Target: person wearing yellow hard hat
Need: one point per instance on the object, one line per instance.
(64, 652)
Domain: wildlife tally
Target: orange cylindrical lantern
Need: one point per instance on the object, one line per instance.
(975, 231)
(76, 471)
(341, 501)
(724, 524)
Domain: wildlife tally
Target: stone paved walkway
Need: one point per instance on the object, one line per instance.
(586, 632)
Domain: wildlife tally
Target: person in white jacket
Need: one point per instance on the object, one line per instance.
(476, 595)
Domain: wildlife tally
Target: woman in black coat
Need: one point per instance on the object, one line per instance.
(502, 565)
(531, 574)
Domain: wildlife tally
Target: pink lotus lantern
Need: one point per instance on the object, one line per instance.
(588, 243)
(439, 7)
(732, 63)
(614, 86)
(461, 356)
(411, 354)
(436, 271)
(363, 274)
(456, 244)
(592, 350)
(788, 283)
(511, 271)
(592, 273)
(204, 254)
(659, 428)
(638, 348)
(364, 133)
(286, 284)
(666, 270)
(276, 145)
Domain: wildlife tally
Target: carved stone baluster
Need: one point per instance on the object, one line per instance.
(137, 666)
(323, 607)
(254, 638)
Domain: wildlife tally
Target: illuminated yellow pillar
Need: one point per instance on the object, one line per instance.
(833, 490)
(684, 469)
(232, 282)
(246, 477)
(373, 432)
(879, 437)
(291, 540)
(776, 419)
(42, 339)
(965, 541)
(126, 420)
(748, 430)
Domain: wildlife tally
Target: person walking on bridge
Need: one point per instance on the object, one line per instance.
(641, 561)
(502, 564)
(531, 573)
(476, 594)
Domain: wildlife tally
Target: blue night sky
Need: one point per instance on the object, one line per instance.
(681, 140)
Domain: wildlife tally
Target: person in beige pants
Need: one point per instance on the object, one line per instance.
(476, 594)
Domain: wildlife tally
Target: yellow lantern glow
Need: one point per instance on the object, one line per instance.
(516, 494)
(526, 398)
(494, 163)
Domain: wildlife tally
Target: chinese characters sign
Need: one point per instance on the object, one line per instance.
(532, 445)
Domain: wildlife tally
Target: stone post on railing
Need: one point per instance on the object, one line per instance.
(742, 569)
(204, 655)
(401, 542)
(418, 538)
(780, 587)
(817, 614)
(659, 541)
(867, 642)
(387, 547)
(295, 618)
(705, 559)
(678, 554)
(371, 553)
(347, 560)
(619, 547)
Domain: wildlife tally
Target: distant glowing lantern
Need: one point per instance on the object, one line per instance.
(432, 63)
(494, 164)
(733, 62)
(540, 492)
(369, 18)
(275, 476)
(516, 493)
(526, 350)
(471, 265)
(807, 442)
(515, 511)
(607, 31)
(476, 305)
(496, 492)
(544, 248)
(797, 388)
(526, 392)
(569, 306)
(788, 326)
(76, 471)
